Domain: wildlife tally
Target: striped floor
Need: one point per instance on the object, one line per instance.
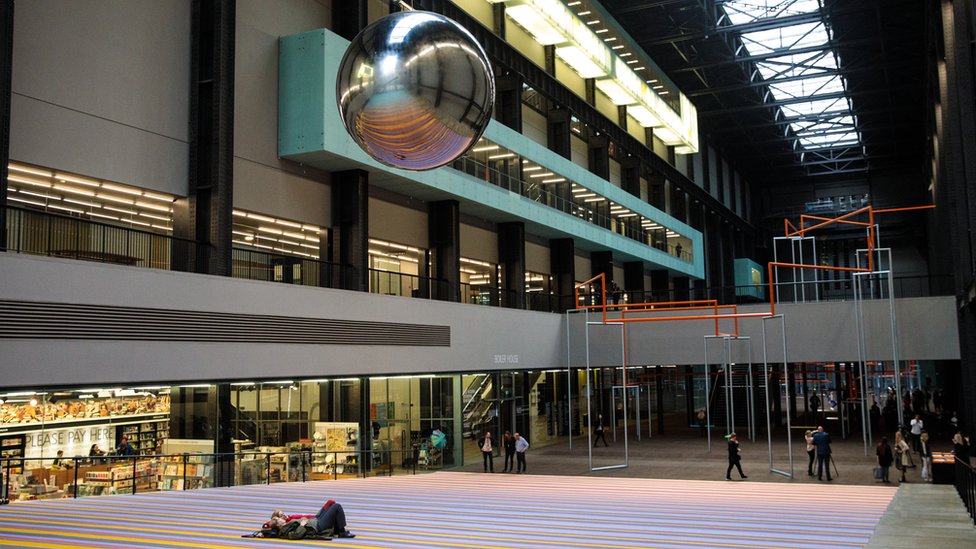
(469, 510)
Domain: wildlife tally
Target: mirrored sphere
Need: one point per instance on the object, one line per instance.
(415, 90)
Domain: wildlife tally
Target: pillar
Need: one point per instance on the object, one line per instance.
(211, 160)
(6, 70)
(508, 99)
(511, 261)
(562, 266)
(598, 147)
(660, 285)
(350, 229)
(634, 281)
(444, 242)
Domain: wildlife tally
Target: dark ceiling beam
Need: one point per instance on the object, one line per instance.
(777, 53)
(867, 67)
(759, 25)
(805, 118)
(795, 100)
(644, 6)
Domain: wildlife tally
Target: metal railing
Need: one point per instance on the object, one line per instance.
(106, 475)
(289, 269)
(61, 235)
(966, 486)
(512, 180)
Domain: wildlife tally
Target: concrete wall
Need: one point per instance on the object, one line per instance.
(101, 88)
(816, 332)
(527, 340)
(262, 182)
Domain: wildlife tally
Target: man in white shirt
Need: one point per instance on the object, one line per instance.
(521, 445)
(916, 432)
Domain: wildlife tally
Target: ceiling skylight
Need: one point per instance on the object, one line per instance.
(820, 122)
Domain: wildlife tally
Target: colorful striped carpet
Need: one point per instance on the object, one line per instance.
(469, 510)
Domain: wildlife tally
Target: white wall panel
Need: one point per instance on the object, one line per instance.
(101, 88)
(399, 224)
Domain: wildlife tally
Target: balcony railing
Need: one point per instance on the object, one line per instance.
(58, 235)
(510, 179)
(289, 269)
(25, 479)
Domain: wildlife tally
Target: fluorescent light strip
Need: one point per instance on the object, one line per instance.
(31, 171)
(500, 156)
(483, 149)
(546, 174)
(597, 199)
(555, 180)
(532, 169)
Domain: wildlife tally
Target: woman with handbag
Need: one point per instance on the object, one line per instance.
(902, 455)
(885, 458)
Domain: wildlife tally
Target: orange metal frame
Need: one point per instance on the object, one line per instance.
(712, 304)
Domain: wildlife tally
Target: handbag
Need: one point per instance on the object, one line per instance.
(878, 473)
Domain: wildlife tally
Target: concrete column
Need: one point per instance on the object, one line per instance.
(350, 229)
(562, 266)
(444, 241)
(511, 261)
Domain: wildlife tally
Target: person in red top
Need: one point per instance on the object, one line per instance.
(329, 521)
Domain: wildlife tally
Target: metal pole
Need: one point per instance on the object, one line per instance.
(650, 430)
(613, 411)
(589, 390)
(894, 346)
(803, 274)
(789, 425)
(637, 411)
(184, 472)
(623, 360)
(76, 478)
(569, 381)
(135, 461)
(708, 408)
(752, 396)
(729, 392)
(769, 424)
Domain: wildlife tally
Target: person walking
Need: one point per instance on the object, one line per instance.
(521, 445)
(925, 452)
(702, 422)
(735, 458)
(885, 458)
(821, 439)
(509, 444)
(811, 451)
(598, 434)
(902, 455)
(486, 453)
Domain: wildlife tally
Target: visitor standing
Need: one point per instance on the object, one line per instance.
(925, 452)
(521, 445)
(917, 427)
(885, 458)
(903, 456)
(811, 452)
(509, 444)
(486, 453)
(821, 439)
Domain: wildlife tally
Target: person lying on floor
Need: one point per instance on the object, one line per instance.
(329, 522)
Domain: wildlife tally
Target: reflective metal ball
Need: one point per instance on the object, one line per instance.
(415, 90)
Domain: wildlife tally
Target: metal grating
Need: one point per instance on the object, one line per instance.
(42, 320)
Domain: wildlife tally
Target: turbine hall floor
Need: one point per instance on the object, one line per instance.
(469, 510)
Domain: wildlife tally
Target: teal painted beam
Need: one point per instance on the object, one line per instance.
(311, 132)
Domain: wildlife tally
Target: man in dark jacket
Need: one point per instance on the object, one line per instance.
(734, 457)
(822, 441)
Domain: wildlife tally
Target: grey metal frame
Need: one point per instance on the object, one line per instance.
(589, 392)
(729, 404)
(786, 377)
(862, 343)
(797, 244)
